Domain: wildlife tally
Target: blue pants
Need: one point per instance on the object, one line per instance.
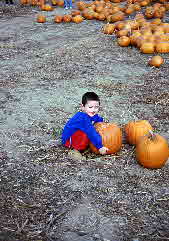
(68, 3)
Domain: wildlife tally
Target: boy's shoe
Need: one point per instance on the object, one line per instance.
(70, 8)
(66, 8)
(76, 155)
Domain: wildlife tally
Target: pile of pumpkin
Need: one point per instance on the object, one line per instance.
(152, 150)
(149, 36)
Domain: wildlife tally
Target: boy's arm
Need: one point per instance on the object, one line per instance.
(96, 139)
(91, 133)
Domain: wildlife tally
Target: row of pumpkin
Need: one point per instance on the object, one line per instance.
(43, 4)
(152, 150)
(67, 18)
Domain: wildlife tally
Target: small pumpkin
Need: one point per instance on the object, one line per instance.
(67, 18)
(23, 2)
(54, 2)
(119, 25)
(108, 28)
(99, 9)
(101, 17)
(152, 151)
(96, 15)
(124, 41)
(75, 12)
(133, 38)
(123, 32)
(58, 19)
(115, 9)
(77, 19)
(88, 14)
(41, 18)
(144, 3)
(156, 21)
(34, 2)
(156, 61)
(136, 129)
(46, 7)
(147, 47)
(40, 3)
(111, 137)
(129, 10)
(166, 5)
(162, 47)
(159, 13)
(140, 40)
(149, 12)
(81, 5)
(137, 7)
(60, 3)
(133, 25)
(165, 27)
(119, 16)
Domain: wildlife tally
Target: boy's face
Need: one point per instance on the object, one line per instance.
(91, 108)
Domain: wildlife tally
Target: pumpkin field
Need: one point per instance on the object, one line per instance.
(49, 57)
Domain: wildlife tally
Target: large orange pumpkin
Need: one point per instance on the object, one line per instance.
(111, 137)
(136, 129)
(152, 151)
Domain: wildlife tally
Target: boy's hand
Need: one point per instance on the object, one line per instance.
(103, 150)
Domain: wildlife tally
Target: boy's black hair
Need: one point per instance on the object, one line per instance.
(90, 96)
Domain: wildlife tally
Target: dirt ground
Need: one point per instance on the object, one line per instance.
(44, 195)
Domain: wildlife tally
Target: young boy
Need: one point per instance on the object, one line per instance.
(79, 130)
